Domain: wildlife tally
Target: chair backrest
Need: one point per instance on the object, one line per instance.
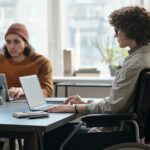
(129, 146)
(142, 103)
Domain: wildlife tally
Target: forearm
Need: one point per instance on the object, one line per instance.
(80, 108)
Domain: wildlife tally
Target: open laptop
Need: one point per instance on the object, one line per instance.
(34, 93)
(4, 87)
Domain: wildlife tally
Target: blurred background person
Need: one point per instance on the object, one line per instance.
(18, 58)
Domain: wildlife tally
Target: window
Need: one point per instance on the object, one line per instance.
(60, 24)
(87, 22)
(32, 13)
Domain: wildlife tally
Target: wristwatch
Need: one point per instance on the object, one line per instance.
(90, 101)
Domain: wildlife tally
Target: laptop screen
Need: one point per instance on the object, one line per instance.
(33, 91)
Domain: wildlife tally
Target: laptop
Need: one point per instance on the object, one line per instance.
(34, 94)
(4, 87)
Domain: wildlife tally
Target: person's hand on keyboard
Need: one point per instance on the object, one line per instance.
(76, 99)
(67, 108)
(16, 92)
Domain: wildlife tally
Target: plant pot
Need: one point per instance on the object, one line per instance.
(113, 70)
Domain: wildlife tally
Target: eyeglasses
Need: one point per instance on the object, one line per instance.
(116, 31)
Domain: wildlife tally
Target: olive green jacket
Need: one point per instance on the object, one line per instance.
(122, 92)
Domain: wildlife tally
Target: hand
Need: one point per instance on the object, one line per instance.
(62, 108)
(74, 100)
(16, 92)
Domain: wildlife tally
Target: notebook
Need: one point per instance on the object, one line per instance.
(30, 114)
(4, 87)
(33, 93)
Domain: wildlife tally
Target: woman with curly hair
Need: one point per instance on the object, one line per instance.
(132, 29)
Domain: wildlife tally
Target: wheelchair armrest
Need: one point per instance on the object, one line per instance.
(101, 120)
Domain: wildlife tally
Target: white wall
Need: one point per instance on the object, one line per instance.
(55, 36)
(36, 22)
(147, 4)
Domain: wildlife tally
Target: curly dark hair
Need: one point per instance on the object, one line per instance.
(134, 21)
(27, 51)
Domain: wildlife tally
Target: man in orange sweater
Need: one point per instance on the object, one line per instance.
(19, 59)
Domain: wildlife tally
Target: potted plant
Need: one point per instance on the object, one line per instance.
(110, 54)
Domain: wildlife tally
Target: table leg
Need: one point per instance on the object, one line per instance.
(66, 90)
(12, 144)
(31, 143)
(56, 87)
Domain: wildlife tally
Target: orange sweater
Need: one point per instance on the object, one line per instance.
(33, 64)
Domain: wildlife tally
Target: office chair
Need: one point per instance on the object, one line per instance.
(131, 126)
(129, 146)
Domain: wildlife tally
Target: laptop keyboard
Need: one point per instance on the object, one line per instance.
(46, 106)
